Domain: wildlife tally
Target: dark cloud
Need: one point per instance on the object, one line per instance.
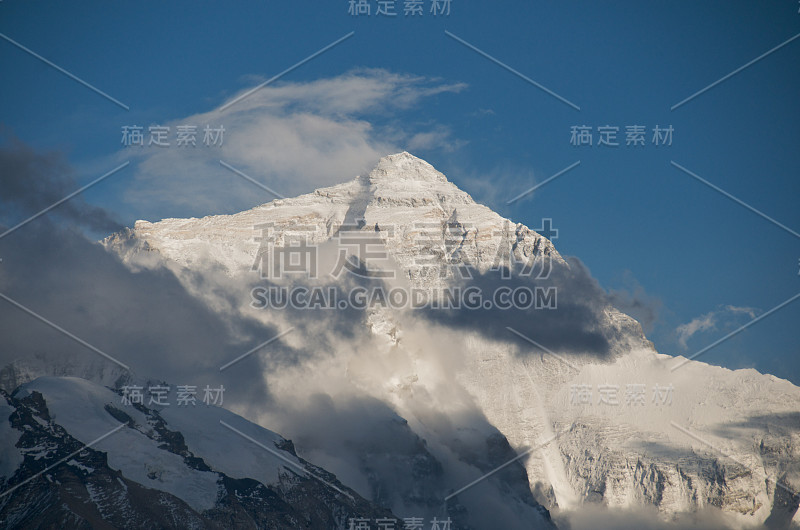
(633, 300)
(144, 319)
(368, 446)
(31, 181)
(577, 323)
(147, 319)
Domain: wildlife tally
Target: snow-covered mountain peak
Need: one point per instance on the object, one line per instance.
(406, 167)
(403, 197)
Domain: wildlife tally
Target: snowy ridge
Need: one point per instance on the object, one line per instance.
(171, 468)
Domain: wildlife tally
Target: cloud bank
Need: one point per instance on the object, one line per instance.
(292, 137)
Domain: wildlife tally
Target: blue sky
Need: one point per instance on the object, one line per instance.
(668, 244)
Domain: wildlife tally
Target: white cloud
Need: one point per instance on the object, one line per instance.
(293, 137)
(710, 320)
(440, 136)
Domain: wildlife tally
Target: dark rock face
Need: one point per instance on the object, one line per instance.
(63, 484)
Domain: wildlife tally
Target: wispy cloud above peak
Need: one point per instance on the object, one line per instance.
(291, 136)
(711, 320)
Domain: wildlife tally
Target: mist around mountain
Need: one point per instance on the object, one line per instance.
(547, 413)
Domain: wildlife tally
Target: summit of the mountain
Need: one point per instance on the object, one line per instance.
(406, 200)
(404, 167)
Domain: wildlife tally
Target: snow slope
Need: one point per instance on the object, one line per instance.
(75, 456)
